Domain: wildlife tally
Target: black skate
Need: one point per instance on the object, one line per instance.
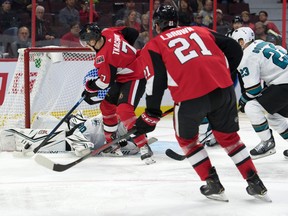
(264, 149)
(285, 153)
(214, 189)
(256, 187)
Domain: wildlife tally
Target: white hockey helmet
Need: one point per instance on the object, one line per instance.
(244, 33)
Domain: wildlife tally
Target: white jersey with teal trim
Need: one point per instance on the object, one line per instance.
(263, 61)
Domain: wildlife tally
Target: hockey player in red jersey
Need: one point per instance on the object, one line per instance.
(190, 62)
(115, 64)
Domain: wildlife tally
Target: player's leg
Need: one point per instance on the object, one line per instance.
(130, 95)
(272, 100)
(224, 122)
(108, 109)
(187, 117)
(256, 115)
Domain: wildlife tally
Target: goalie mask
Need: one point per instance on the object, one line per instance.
(89, 32)
(166, 17)
(244, 33)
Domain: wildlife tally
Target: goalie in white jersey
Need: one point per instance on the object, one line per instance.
(263, 62)
(86, 134)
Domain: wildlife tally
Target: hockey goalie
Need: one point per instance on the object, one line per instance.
(80, 135)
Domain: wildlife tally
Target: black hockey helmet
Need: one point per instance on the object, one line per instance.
(89, 32)
(166, 17)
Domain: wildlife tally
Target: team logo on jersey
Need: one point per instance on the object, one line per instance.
(120, 95)
(100, 59)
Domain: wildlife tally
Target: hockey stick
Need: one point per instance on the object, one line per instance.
(174, 155)
(51, 134)
(40, 159)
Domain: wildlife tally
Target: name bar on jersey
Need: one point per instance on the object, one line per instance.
(176, 33)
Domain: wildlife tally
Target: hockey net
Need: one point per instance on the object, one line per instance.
(52, 85)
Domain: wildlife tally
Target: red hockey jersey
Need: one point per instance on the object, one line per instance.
(115, 60)
(188, 60)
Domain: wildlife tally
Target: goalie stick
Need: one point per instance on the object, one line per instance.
(40, 159)
(174, 155)
(48, 137)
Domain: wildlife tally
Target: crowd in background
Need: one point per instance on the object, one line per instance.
(59, 22)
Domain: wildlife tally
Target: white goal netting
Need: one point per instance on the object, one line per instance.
(55, 85)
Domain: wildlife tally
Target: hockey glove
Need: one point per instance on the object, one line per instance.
(242, 102)
(89, 96)
(146, 123)
(89, 81)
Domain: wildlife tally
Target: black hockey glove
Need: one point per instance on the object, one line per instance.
(242, 102)
(89, 96)
(146, 123)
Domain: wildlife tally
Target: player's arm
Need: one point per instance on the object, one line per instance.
(231, 49)
(155, 87)
(130, 35)
(155, 73)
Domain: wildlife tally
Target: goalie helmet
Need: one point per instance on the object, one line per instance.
(244, 33)
(89, 32)
(166, 17)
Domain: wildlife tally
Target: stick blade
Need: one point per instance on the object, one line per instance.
(44, 161)
(170, 153)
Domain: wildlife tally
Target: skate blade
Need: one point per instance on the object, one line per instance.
(218, 197)
(149, 161)
(270, 152)
(264, 197)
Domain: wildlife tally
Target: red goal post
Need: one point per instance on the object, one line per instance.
(46, 81)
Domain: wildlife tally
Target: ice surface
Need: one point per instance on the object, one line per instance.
(126, 187)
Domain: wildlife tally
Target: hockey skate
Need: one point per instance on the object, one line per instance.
(263, 149)
(256, 187)
(214, 189)
(285, 153)
(146, 154)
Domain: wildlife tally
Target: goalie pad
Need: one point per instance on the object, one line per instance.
(25, 140)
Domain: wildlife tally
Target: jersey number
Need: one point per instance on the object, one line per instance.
(179, 52)
(278, 59)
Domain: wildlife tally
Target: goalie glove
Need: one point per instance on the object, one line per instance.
(242, 102)
(146, 122)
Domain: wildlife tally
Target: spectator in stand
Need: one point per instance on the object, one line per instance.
(8, 18)
(207, 12)
(142, 39)
(185, 13)
(261, 32)
(263, 17)
(144, 22)
(43, 30)
(222, 25)
(245, 15)
(68, 15)
(71, 39)
(196, 5)
(22, 41)
(84, 13)
(237, 22)
(198, 20)
(131, 22)
(123, 13)
(156, 4)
